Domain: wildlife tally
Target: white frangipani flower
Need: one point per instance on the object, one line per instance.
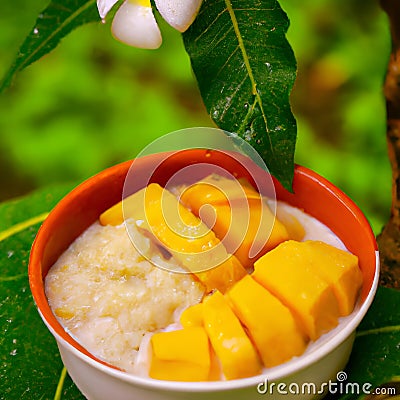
(178, 13)
(104, 6)
(134, 22)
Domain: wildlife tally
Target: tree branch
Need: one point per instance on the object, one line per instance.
(389, 239)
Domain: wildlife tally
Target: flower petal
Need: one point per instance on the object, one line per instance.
(179, 13)
(104, 6)
(135, 25)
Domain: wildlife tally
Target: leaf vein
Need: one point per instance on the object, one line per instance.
(229, 100)
(374, 331)
(11, 278)
(247, 117)
(221, 70)
(22, 226)
(254, 9)
(210, 25)
(248, 68)
(221, 38)
(57, 395)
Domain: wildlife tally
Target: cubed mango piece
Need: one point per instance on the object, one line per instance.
(215, 368)
(238, 216)
(113, 215)
(238, 357)
(192, 316)
(248, 232)
(216, 189)
(180, 355)
(269, 323)
(194, 246)
(159, 212)
(338, 268)
(285, 273)
(223, 276)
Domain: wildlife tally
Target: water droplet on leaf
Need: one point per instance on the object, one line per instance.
(248, 135)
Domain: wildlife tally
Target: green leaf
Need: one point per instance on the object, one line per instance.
(245, 69)
(376, 354)
(30, 365)
(56, 21)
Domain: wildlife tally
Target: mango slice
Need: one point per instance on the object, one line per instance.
(161, 216)
(181, 355)
(338, 268)
(215, 189)
(192, 316)
(238, 216)
(269, 323)
(285, 273)
(232, 346)
(112, 216)
(223, 276)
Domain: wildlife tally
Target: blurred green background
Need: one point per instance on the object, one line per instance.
(94, 102)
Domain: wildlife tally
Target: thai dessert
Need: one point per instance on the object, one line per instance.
(202, 282)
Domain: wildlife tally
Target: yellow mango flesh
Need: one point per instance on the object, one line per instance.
(171, 223)
(338, 268)
(284, 272)
(181, 355)
(190, 241)
(197, 249)
(269, 323)
(158, 211)
(232, 346)
(223, 276)
(215, 189)
(239, 217)
(192, 316)
(112, 216)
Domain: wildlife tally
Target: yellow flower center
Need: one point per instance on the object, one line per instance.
(143, 3)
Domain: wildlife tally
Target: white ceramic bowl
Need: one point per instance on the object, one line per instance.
(308, 374)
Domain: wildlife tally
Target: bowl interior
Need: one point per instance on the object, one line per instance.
(81, 207)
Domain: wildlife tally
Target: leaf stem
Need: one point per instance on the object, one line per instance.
(384, 329)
